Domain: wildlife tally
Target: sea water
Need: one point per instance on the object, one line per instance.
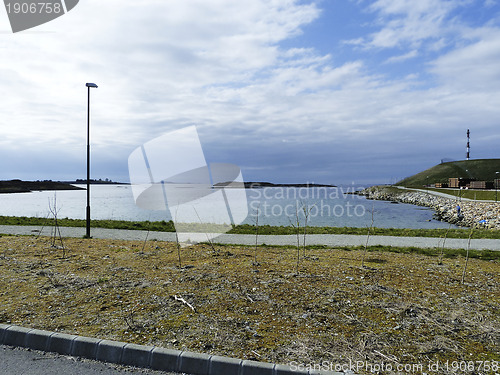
(320, 206)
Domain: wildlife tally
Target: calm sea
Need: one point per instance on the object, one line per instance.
(275, 206)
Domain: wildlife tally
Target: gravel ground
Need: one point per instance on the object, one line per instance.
(272, 304)
(246, 239)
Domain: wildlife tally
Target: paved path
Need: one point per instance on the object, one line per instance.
(444, 195)
(249, 239)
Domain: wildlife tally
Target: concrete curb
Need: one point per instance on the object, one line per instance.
(140, 355)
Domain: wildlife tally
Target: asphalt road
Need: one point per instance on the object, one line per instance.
(248, 239)
(20, 361)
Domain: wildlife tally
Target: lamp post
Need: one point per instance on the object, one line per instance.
(89, 86)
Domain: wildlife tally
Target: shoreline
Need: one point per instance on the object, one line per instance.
(475, 214)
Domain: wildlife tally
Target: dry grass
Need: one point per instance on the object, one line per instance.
(403, 308)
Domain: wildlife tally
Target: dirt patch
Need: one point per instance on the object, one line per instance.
(401, 309)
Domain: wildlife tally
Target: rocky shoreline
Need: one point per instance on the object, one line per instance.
(472, 213)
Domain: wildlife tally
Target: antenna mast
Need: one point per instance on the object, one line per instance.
(468, 144)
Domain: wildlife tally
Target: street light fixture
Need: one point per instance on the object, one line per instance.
(89, 86)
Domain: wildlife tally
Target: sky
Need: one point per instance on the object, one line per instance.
(292, 91)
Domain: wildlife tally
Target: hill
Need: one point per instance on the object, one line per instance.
(479, 169)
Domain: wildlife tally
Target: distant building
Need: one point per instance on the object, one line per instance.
(458, 182)
(481, 185)
(469, 183)
(441, 185)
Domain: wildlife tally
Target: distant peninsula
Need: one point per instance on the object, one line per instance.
(257, 185)
(100, 181)
(18, 186)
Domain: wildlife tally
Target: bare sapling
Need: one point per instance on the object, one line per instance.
(256, 236)
(467, 255)
(368, 237)
(441, 253)
(147, 235)
(177, 240)
(178, 249)
(296, 225)
(56, 232)
(130, 320)
(209, 240)
(307, 212)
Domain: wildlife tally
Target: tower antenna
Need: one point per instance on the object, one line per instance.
(468, 144)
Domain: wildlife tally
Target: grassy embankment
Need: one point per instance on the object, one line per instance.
(480, 170)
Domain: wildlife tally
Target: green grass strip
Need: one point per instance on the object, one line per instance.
(397, 232)
(486, 255)
(159, 226)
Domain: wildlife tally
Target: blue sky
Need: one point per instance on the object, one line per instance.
(327, 91)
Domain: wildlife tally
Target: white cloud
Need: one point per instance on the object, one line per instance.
(153, 60)
(473, 67)
(408, 23)
(406, 56)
